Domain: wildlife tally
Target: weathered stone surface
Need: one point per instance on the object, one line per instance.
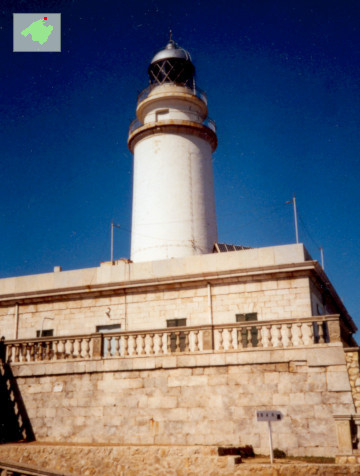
(338, 381)
(213, 403)
(153, 460)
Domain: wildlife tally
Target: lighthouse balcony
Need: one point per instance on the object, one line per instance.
(194, 91)
(136, 124)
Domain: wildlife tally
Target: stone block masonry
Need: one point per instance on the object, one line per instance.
(171, 400)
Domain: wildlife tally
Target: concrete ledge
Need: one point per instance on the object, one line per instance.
(126, 274)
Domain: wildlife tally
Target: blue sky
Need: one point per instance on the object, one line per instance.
(282, 79)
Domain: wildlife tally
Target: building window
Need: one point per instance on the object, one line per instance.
(45, 333)
(176, 323)
(106, 329)
(243, 334)
(42, 348)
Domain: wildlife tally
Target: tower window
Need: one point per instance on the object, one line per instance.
(161, 115)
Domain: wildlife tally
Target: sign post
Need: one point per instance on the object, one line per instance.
(269, 416)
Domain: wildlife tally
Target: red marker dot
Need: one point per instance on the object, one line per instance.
(45, 18)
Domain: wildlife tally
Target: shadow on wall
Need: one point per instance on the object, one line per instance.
(14, 421)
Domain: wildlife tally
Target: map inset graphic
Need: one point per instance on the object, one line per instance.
(37, 32)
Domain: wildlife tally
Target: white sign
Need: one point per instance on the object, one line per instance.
(268, 415)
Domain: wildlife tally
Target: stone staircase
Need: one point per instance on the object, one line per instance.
(14, 421)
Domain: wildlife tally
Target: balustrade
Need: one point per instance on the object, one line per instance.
(227, 337)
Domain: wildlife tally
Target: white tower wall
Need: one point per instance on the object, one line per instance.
(173, 199)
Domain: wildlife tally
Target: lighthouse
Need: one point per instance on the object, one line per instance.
(172, 140)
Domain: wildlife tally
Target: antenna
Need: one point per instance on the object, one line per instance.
(295, 219)
(322, 257)
(112, 240)
(293, 201)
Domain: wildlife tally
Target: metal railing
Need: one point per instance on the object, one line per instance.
(217, 338)
(136, 124)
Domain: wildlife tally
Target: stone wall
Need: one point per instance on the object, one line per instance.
(199, 399)
(271, 297)
(352, 363)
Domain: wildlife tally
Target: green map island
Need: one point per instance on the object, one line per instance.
(38, 31)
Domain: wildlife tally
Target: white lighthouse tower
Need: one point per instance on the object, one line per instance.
(172, 140)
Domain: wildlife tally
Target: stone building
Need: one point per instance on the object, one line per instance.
(181, 345)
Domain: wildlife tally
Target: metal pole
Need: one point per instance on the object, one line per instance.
(16, 320)
(270, 443)
(322, 257)
(112, 242)
(295, 219)
(211, 315)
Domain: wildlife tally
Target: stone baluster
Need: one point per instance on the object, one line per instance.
(39, 353)
(152, 344)
(117, 346)
(47, 350)
(63, 348)
(249, 342)
(259, 336)
(160, 337)
(87, 348)
(143, 344)
(177, 341)
(56, 353)
(187, 341)
(300, 336)
(108, 346)
(79, 348)
(311, 333)
(269, 336)
(134, 340)
(168, 343)
(196, 341)
(321, 332)
(236, 339)
(24, 352)
(221, 339)
(32, 352)
(126, 346)
(21, 352)
(289, 335)
(231, 343)
(71, 350)
(9, 353)
(17, 353)
(279, 335)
